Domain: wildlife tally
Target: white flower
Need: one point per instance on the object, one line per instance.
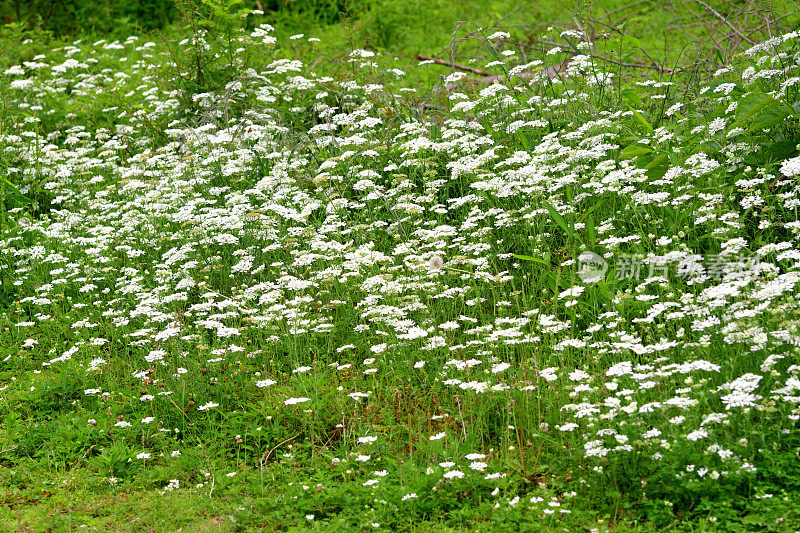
(549, 374)
(143, 455)
(791, 167)
(453, 474)
(438, 436)
(15, 70)
(379, 348)
(499, 35)
(265, 383)
(209, 405)
(21, 84)
(367, 440)
(499, 367)
(292, 401)
(435, 263)
(697, 435)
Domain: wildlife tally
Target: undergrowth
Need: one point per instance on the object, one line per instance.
(242, 292)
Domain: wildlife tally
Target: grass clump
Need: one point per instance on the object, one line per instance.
(271, 297)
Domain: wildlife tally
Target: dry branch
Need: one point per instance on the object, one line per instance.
(725, 21)
(456, 66)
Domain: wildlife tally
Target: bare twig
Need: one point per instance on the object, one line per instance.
(725, 21)
(317, 61)
(578, 24)
(615, 29)
(628, 6)
(767, 24)
(456, 66)
(653, 66)
(431, 107)
(278, 445)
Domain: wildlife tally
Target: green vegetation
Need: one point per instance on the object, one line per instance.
(545, 280)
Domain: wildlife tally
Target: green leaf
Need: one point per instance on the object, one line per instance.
(635, 150)
(754, 519)
(545, 261)
(632, 95)
(748, 105)
(720, 57)
(631, 41)
(523, 139)
(770, 117)
(658, 166)
(602, 287)
(657, 160)
(557, 218)
(15, 193)
(764, 110)
(642, 121)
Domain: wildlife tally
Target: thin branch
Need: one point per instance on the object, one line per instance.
(431, 107)
(725, 21)
(654, 66)
(776, 21)
(455, 66)
(578, 24)
(628, 6)
(266, 457)
(614, 28)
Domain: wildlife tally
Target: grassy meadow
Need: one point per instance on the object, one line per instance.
(264, 273)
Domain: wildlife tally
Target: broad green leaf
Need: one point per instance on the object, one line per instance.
(657, 161)
(769, 117)
(633, 97)
(557, 218)
(747, 104)
(635, 150)
(15, 193)
(642, 121)
(764, 109)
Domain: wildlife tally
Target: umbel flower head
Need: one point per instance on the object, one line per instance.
(435, 263)
(791, 167)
